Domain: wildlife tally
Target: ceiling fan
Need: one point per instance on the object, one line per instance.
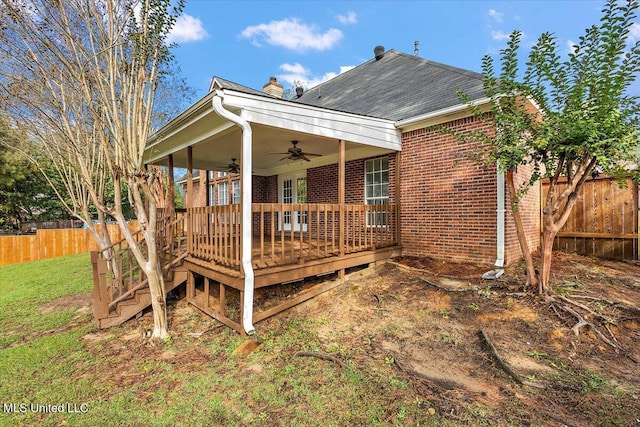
(232, 167)
(296, 153)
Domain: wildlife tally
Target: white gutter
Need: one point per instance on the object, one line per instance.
(500, 221)
(246, 221)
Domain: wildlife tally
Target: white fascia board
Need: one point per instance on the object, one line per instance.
(434, 115)
(316, 121)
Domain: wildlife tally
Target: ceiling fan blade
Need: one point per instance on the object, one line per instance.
(285, 158)
(303, 157)
(311, 154)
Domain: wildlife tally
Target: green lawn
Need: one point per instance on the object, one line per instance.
(45, 360)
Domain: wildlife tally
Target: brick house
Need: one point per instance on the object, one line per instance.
(354, 170)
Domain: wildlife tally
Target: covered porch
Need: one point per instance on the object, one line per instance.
(275, 231)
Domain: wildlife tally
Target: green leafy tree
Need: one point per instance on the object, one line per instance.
(24, 192)
(585, 117)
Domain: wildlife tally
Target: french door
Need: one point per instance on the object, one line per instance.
(292, 189)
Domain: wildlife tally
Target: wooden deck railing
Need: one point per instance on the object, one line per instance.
(109, 288)
(289, 233)
(213, 234)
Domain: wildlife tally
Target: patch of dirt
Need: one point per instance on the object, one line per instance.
(422, 324)
(411, 316)
(81, 302)
(445, 268)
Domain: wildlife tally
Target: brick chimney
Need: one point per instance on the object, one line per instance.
(273, 88)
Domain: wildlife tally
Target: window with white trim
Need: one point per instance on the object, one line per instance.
(223, 193)
(212, 194)
(376, 188)
(235, 189)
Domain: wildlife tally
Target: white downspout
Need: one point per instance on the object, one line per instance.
(500, 221)
(246, 221)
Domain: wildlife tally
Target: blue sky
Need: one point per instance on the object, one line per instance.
(311, 41)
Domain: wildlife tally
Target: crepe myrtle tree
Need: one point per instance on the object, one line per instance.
(586, 118)
(83, 76)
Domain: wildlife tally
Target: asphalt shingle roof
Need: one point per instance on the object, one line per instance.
(397, 86)
(228, 84)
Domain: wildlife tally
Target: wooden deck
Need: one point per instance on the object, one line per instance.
(203, 248)
(333, 238)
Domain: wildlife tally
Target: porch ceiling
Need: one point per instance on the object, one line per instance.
(274, 124)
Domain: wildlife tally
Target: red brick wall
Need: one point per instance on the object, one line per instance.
(199, 195)
(529, 208)
(322, 182)
(448, 201)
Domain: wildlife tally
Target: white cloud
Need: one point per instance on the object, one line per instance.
(187, 29)
(498, 16)
(349, 18)
(634, 32)
(294, 68)
(293, 35)
(298, 74)
(499, 35)
(571, 46)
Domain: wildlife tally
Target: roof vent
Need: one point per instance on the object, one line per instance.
(378, 51)
(299, 91)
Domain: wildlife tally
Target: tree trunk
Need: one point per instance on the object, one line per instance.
(150, 262)
(102, 238)
(158, 294)
(532, 278)
(548, 236)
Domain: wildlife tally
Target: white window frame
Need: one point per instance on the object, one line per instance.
(212, 194)
(235, 191)
(223, 193)
(376, 174)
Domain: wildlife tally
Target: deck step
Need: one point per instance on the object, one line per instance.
(129, 308)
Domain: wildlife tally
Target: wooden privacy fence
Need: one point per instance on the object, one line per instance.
(604, 221)
(52, 243)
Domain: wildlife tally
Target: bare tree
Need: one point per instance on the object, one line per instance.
(83, 76)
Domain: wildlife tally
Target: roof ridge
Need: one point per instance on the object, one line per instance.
(441, 65)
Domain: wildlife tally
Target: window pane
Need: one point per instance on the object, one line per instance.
(223, 193)
(369, 166)
(302, 190)
(236, 191)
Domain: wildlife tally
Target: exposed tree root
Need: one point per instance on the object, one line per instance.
(572, 307)
(321, 356)
(486, 342)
